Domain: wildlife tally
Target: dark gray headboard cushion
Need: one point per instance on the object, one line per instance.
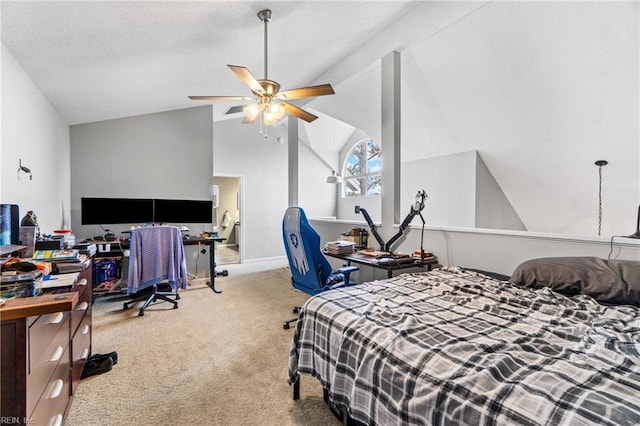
(612, 281)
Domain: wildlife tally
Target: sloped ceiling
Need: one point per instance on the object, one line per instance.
(542, 90)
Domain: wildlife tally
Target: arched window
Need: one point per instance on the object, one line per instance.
(362, 173)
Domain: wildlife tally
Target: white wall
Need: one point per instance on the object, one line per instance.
(493, 209)
(488, 250)
(33, 130)
(240, 150)
(542, 90)
(450, 183)
(316, 196)
(163, 155)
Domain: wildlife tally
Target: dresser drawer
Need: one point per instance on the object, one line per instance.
(78, 314)
(48, 342)
(52, 405)
(80, 349)
(83, 287)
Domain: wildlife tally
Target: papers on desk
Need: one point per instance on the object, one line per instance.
(60, 280)
(340, 247)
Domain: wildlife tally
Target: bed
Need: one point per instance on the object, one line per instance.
(457, 347)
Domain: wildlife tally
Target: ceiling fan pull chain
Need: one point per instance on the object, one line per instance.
(600, 164)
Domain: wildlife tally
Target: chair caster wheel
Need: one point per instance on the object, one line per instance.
(141, 314)
(286, 326)
(296, 310)
(175, 306)
(125, 307)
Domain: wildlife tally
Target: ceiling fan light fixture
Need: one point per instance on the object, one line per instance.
(277, 110)
(269, 102)
(269, 117)
(251, 111)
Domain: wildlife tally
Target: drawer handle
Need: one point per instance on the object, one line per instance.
(55, 420)
(82, 306)
(57, 319)
(82, 282)
(56, 389)
(85, 353)
(57, 354)
(85, 329)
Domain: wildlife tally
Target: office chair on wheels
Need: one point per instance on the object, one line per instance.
(311, 272)
(156, 259)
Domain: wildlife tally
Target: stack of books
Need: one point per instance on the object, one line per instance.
(89, 249)
(64, 260)
(55, 255)
(340, 247)
(423, 256)
(76, 265)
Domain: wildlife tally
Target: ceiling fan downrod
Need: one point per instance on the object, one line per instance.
(265, 16)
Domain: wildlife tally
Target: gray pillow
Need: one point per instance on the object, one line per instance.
(612, 281)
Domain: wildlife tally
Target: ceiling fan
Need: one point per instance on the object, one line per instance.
(270, 103)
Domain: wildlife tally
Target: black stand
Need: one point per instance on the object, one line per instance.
(416, 209)
(212, 265)
(371, 225)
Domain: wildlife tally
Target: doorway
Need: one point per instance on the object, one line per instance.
(227, 218)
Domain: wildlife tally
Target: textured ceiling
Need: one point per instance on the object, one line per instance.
(102, 60)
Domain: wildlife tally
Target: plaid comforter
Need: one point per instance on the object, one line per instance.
(450, 347)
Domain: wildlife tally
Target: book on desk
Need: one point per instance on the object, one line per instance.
(340, 247)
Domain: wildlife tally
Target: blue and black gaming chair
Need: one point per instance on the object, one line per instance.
(310, 270)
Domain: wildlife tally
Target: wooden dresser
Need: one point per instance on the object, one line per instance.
(46, 341)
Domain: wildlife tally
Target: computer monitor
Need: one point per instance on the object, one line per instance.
(183, 211)
(104, 211)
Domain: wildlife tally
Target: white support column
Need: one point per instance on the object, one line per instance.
(293, 145)
(390, 89)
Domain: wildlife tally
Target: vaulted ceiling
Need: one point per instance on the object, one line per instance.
(102, 60)
(540, 89)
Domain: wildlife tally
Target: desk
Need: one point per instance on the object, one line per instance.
(188, 241)
(363, 259)
(191, 241)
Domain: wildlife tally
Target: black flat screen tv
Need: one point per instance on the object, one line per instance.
(104, 211)
(182, 211)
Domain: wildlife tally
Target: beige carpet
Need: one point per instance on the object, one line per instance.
(220, 359)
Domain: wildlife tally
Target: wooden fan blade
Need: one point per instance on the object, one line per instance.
(298, 112)
(248, 78)
(235, 109)
(220, 98)
(307, 92)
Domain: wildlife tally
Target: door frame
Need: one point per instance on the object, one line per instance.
(240, 207)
